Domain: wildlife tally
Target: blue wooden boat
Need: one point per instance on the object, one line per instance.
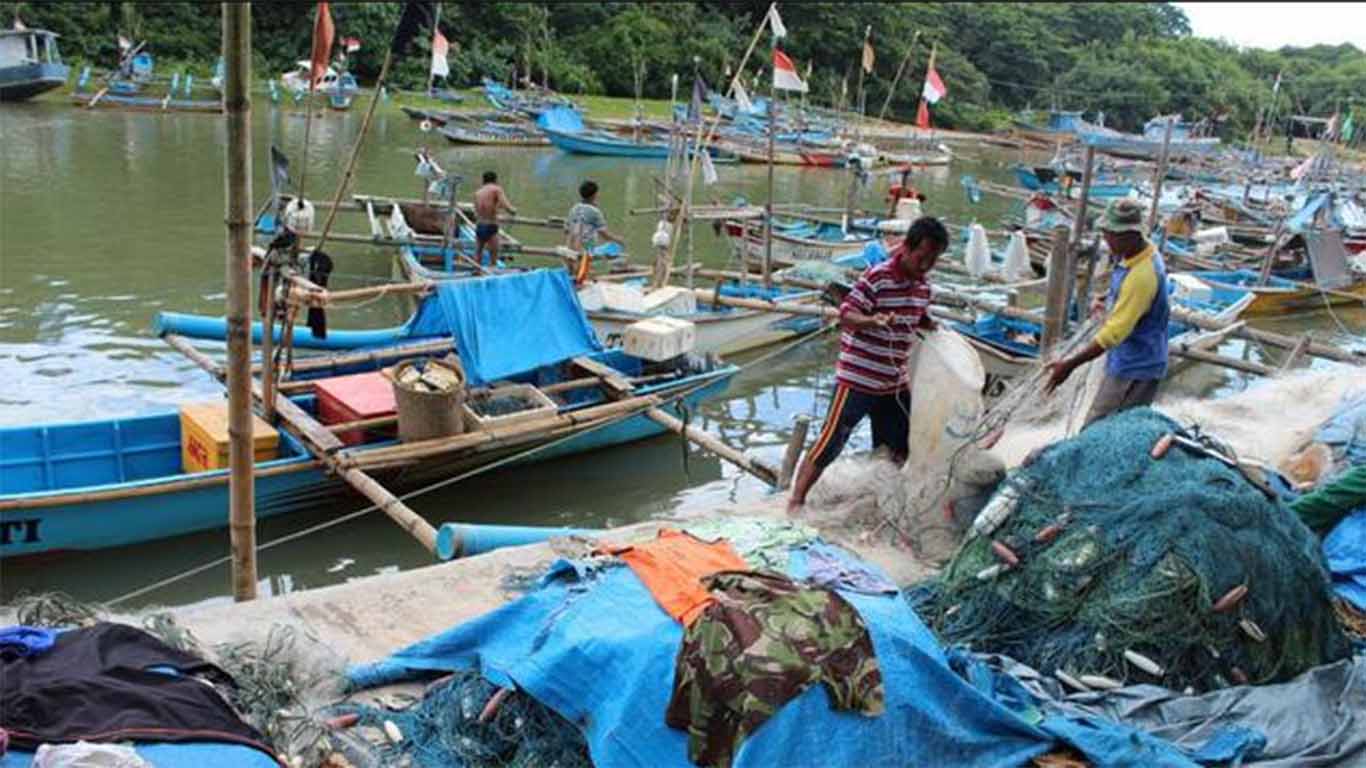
(115, 482)
(1047, 180)
(29, 63)
(1010, 345)
(143, 93)
(1148, 146)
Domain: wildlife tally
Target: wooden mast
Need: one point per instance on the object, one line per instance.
(772, 131)
(237, 108)
(887, 102)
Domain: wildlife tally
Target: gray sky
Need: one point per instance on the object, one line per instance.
(1272, 25)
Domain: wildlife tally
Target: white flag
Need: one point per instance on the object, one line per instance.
(742, 98)
(775, 22)
(708, 170)
(440, 67)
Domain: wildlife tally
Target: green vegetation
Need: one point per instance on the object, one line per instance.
(1130, 60)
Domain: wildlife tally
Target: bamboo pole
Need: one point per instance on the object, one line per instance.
(1282, 341)
(308, 115)
(1160, 172)
(1204, 356)
(772, 135)
(237, 108)
(795, 443)
(1055, 307)
(713, 444)
(355, 150)
(901, 68)
(1083, 293)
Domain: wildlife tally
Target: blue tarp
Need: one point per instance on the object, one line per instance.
(601, 653)
(1344, 550)
(507, 324)
(561, 119)
(193, 754)
(1304, 217)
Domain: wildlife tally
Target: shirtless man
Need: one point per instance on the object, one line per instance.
(487, 200)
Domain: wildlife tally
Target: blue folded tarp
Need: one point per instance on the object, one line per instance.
(601, 653)
(507, 324)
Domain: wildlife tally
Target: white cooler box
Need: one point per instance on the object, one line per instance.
(659, 338)
(610, 297)
(670, 300)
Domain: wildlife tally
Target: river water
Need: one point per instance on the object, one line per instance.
(107, 217)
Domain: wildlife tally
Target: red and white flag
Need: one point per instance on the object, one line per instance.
(351, 44)
(785, 76)
(934, 87)
(323, 35)
(440, 47)
(124, 43)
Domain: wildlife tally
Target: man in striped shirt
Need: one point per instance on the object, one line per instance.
(879, 321)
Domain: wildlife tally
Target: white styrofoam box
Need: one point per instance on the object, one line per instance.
(670, 300)
(659, 338)
(1207, 241)
(612, 297)
(1191, 287)
(894, 226)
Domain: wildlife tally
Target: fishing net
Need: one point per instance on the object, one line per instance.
(1120, 552)
(463, 721)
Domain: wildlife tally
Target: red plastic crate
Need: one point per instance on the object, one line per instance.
(349, 398)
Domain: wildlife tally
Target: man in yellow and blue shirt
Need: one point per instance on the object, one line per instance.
(1134, 336)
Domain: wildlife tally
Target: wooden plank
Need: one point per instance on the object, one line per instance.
(610, 376)
(1203, 356)
(375, 230)
(1055, 307)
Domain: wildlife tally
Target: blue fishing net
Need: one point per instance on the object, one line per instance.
(443, 730)
(1144, 549)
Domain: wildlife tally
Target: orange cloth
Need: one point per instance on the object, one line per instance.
(672, 567)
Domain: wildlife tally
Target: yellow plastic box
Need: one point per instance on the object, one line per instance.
(204, 437)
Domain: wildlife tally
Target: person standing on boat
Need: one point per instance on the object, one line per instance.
(584, 225)
(879, 321)
(1134, 335)
(904, 198)
(488, 199)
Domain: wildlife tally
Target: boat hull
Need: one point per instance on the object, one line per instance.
(749, 243)
(588, 145)
(28, 80)
(147, 103)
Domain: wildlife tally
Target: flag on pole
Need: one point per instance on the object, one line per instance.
(868, 57)
(775, 23)
(922, 115)
(785, 77)
(1348, 127)
(19, 25)
(1331, 132)
(699, 97)
(742, 98)
(934, 87)
(351, 44)
(440, 47)
(709, 176)
(323, 34)
(124, 44)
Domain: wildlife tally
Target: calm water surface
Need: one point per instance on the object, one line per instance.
(107, 217)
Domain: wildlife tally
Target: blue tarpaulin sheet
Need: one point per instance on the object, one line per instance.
(507, 324)
(601, 653)
(1344, 550)
(561, 119)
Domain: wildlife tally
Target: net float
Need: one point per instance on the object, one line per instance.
(1253, 631)
(343, 721)
(1238, 675)
(1070, 682)
(392, 731)
(1144, 663)
(1162, 445)
(990, 572)
(1048, 533)
(1102, 682)
(1230, 598)
(1006, 554)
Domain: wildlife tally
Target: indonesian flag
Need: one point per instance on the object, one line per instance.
(785, 76)
(922, 115)
(440, 47)
(352, 44)
(934, 87)
(323, 34)
(124, 43)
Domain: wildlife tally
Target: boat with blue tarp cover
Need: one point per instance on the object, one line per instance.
(114, 482)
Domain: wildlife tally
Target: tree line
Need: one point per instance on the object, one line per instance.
(1132, 61)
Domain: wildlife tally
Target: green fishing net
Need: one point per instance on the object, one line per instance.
(1144, 549)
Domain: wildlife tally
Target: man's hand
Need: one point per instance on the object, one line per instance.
(1058, 371)
(881, 319)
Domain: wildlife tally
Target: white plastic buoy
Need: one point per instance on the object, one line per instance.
(1017, 258)
(977, 256)
(299, 215)
(663, 234)
(1101, 681)
(425, 126)
(392, 731)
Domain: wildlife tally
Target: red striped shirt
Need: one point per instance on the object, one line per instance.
(873, 360)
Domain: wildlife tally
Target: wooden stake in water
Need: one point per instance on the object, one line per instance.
(1161, 172)
(237, 108)
(768, 218)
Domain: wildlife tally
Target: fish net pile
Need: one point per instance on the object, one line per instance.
(1111, 565)
(464, 721)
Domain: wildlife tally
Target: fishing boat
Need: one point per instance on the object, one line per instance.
(1061, 126)
(612, 306)
(135, 88)
(564, 128)
(493, 134)
(1009, 346)
(91, 485)
(909, 160)
(29, 63)
(1283, 293)
(1068, 184)
(796, 240)
(339, 88)
(1148, 146)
